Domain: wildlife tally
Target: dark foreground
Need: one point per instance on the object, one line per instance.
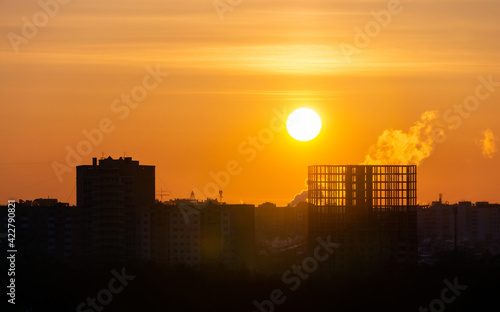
(469, 284)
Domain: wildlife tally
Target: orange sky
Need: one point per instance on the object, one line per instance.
(228, 77)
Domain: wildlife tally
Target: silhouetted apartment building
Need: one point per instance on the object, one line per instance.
(477, 223)
(488, 222)
(371, 211)
(116, 195)
(227, 235)
(202, 234)
(47, 229)
(280, 228)
(184, 229)
(159, 216)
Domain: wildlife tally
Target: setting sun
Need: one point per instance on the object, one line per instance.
(303, 124)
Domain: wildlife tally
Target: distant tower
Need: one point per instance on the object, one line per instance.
(192, 197)
(220, 195)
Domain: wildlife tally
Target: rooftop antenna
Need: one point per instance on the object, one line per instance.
(162, 193)
(220, 195)
(440, 198)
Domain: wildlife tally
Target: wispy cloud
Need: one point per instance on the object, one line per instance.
(488, 144)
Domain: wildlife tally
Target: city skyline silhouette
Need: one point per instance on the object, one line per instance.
(259, 156)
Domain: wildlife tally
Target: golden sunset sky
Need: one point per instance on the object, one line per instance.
(231, 71)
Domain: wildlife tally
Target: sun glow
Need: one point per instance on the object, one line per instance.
(303, 124)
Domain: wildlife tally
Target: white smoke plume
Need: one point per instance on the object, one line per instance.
(302, 197)
(395, 147)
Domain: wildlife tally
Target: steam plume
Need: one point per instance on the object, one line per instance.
(302, 197)
(395, 147)
(489, 144)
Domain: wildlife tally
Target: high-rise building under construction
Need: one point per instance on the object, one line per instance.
(369, 210)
